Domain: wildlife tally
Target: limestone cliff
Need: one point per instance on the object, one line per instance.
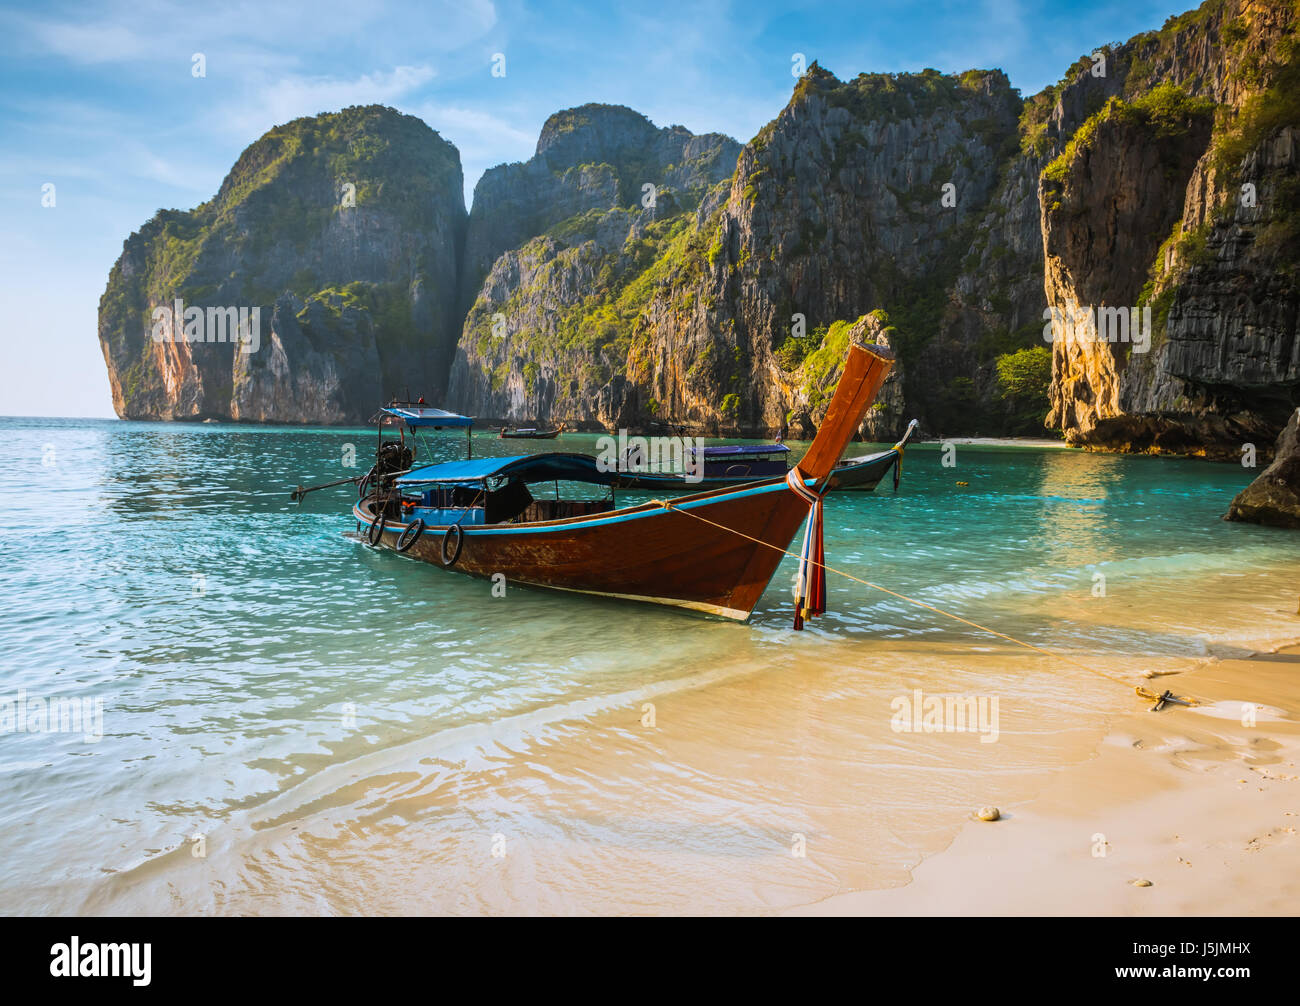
(861, 195)
(594, 157)
(561, 255)
(338, 236)
(1180, 195)
(629, 275)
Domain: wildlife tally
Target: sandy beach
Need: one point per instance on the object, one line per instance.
(1200, 802)
(759, 791)
(1038, 443)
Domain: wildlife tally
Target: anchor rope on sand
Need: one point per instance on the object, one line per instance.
(819, 561)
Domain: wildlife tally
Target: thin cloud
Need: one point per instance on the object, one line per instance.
(91, 43)
(291, 97)
(475, 131)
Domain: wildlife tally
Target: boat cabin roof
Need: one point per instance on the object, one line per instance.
(423, 415)
(526, 467)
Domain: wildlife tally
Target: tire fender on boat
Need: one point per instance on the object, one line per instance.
(411, 535)
(375, 533)
(460, 540)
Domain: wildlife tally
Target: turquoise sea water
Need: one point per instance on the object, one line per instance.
(349, 730)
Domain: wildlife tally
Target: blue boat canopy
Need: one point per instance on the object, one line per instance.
(423, 415)
(528, 467)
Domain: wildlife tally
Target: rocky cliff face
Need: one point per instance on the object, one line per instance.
(561, 254)
(1106, 203)
(595, 157)
(860, 196)
(711, 310)
(628, 275)
(338, 237)
(1180, 195)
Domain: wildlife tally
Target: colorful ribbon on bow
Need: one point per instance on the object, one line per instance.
(810, 593)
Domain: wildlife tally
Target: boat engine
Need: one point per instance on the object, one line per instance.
(390, 459)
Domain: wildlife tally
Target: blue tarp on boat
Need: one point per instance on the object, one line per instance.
(529, 467)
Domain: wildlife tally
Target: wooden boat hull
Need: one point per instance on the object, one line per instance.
(713, 551)
(678, 559)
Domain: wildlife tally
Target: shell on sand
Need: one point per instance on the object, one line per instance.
(1140, 882)
(988, 814)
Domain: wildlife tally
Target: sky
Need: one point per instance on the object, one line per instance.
(101, 101)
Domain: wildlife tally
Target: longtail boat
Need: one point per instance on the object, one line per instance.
(530, 433)
(714, 468)
(738, 465)
(712, 551)
(865, 473)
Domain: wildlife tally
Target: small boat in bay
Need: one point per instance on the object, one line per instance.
(865, 473)
(530, 433)
(716, 468)
(736, 465)
(713, 551)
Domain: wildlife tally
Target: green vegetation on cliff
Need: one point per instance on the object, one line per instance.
(595, 332)
(1267, 112)
(285, 188)
(1153, 50)
(1166, 110)
(891, 97)
(820, 367)
(1024, 378)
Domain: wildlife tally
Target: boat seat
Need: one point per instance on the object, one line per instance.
(507, 503)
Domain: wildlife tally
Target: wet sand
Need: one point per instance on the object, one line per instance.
(1198, 802)
(779, 781)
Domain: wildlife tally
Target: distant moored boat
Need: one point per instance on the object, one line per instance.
(530, 433)
(865, 473)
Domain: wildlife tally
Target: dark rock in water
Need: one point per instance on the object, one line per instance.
(1274, 497)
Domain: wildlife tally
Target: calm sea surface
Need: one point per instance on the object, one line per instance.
(292, 722)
